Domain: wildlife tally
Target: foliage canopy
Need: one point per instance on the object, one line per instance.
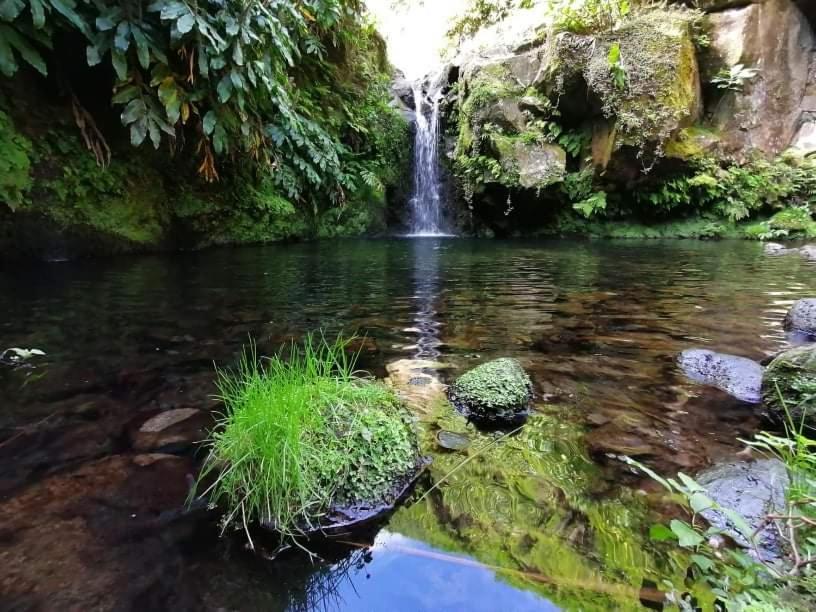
(268, 80)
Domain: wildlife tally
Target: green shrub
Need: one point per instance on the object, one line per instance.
(301, 434)
(15, 163)
(588, 16)
(735, 579)
(298, 91)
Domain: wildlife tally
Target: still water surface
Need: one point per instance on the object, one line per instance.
(549, 521)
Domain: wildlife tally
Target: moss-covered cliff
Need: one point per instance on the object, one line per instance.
(611, 122)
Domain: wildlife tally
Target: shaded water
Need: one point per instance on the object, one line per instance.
(90, 515)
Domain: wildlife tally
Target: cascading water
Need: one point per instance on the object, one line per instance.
(426, 200)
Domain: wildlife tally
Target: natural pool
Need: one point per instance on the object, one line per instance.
(91, 514)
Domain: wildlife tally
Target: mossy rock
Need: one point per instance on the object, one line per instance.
(497, 392)
(792, 375)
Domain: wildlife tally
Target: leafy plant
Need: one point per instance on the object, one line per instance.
(734, 78)
(739, 580)
(278, 83)
(588, 16)
(591, 206)
(483, 13)
(301, 433)
(15, 163)
(615, 66)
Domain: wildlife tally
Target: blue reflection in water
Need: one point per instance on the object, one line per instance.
(398, 565)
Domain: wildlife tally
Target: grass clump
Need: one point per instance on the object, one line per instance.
(303, 434)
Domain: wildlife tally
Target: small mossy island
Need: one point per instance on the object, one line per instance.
(304, 442)
(497, 392)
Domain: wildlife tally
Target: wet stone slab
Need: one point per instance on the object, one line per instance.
(737, 376)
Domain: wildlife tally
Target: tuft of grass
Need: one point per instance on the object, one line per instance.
(302, 432)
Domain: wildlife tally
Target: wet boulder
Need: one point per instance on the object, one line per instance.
(789, 386)
(808, 251)
(737, 376)
(801, 318)
(497, 392)
(774, 248)
(753, 490)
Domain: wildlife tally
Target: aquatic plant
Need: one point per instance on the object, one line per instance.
(302, 433)
(748, 580)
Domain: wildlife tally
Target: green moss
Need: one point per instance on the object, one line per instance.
(125, 200)
(691, 142)
(301, 435)
(789, 387)
(15, 163)
(494, 391)
(661, 90)
(798, 220)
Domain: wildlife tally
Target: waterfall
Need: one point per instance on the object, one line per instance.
(426, 200)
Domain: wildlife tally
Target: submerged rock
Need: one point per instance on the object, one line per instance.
(774, 248)
(802, 317)
(450, 440)
(753, 490)
(738, 376)
(792, 375)
(172, 430)
(808, 251)
(417, 384)
(495, 392)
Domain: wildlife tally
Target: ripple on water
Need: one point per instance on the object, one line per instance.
(597, 324)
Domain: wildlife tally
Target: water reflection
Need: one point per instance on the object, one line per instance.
(427, 294)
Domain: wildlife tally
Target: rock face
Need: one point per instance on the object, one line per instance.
(536, 164)
(753, 490)
(801, 317)
(737, 376)
(529, 106)
(775, 38)
(792, 375)
(497, 392)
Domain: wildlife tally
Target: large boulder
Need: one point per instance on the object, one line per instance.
(497, 392)
(753, 490)
(737, 376)
(774, 37)
(661, 93)
(789, 386)
(531, 165)
(801, 317)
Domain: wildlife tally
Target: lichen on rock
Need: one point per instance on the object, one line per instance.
(495, 392)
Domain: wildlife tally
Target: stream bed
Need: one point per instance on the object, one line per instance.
(98, 436)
